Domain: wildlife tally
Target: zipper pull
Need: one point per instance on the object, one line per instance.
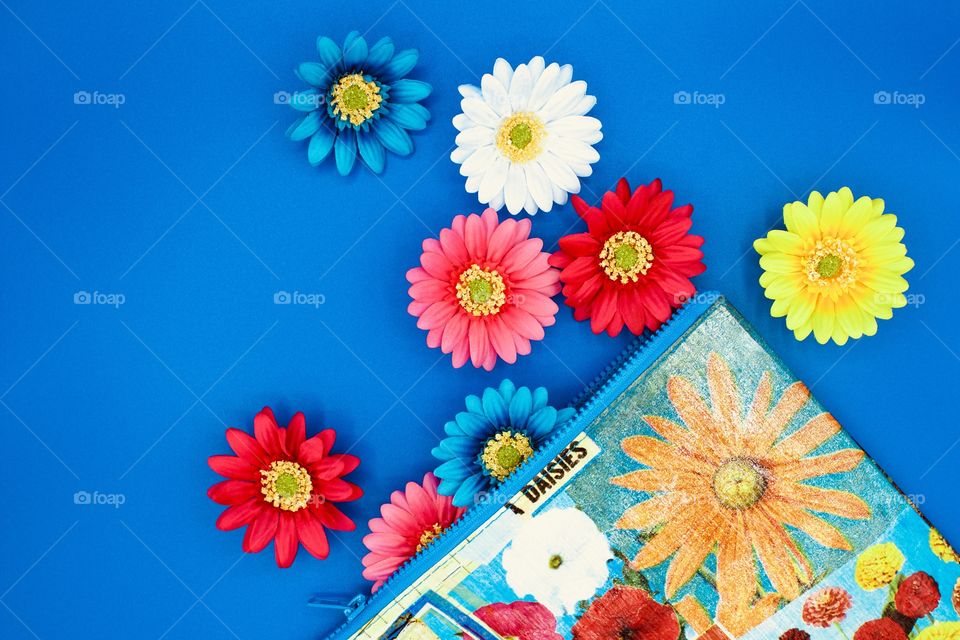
(349, 608)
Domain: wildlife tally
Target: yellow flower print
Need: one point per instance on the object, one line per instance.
(878, 565)
(941, 548)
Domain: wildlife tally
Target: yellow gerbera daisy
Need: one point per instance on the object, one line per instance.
(730, 484)
(837, 267)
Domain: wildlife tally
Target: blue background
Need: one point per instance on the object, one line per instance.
(189, 202)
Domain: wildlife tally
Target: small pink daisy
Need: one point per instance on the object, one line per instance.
(411, 521)
(483, 290)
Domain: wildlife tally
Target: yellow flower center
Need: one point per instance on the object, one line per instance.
(831, 263)
(355, 99)
(428, 536)
(555, 561)
(625, 256)
(286, 485)
(739, 483)
(481, 292)
(505, 452)
(520, 137)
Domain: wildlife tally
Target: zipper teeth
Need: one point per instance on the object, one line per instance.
(584, 400)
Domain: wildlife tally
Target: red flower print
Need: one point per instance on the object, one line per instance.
(521, 620)
(882, 629)
(826, 607)
(627, 612)
(917, 595)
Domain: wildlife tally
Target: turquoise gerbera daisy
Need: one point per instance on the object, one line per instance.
(361, 103)
(492, 438)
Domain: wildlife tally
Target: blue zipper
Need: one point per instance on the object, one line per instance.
(605, 387)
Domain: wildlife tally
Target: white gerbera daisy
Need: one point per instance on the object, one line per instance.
(524, 139)
(559, 558)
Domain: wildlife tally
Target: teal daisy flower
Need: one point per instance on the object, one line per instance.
(491, 439)
(361, 103)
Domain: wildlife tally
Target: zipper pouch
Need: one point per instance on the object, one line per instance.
(699, 492)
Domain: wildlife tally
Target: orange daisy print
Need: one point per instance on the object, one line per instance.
(729, 483)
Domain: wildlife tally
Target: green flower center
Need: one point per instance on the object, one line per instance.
(555, 561)
(829, 266)
(286, 485)
(832, 264)
(739, 483)
(480, 290)
(626, 257)
(521, 135)
(508, 457)
(504, 452)
(354, 98)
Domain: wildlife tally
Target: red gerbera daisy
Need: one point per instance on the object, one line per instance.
(627, 612)
(633, 265)
(282, 485)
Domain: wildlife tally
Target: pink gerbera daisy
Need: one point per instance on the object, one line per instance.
(411, 521)
(483, 290)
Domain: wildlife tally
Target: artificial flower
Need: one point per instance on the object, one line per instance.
(627, 612)
(520, 620)
(524, 137)
(283, 487)
(633, 264)
(559, 557)
(794, 634)
(918, 595)
(482, 290)
(939, 631)
(837, 267)
(409, 523)
(826, 607)
(729, 483)
(877, 566)
(882, 629)
(491, 439)
(361, 102)
(941, 548)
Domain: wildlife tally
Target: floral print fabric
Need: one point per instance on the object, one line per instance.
(711, 497)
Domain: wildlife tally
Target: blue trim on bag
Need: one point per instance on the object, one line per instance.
(605, 388)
